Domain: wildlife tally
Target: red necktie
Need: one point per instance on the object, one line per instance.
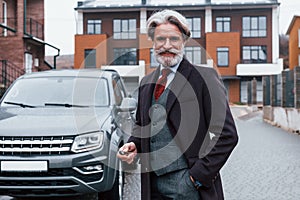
(161, 83)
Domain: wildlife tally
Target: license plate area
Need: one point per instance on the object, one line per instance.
(24, 166)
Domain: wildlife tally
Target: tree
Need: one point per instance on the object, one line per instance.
(284, 50)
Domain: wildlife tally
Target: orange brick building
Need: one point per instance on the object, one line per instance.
(239, 39)
(294, 42)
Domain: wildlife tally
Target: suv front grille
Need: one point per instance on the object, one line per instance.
(56, 145)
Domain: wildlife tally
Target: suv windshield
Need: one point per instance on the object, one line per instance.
(58, 91)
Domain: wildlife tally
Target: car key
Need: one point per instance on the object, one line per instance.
(124, 153)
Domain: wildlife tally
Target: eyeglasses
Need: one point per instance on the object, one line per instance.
(173, 40)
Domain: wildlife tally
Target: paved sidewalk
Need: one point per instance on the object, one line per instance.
(132, 187)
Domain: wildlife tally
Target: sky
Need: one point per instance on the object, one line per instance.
(60, 22)
(60, 25)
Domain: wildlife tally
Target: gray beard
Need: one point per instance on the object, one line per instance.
(169, 62)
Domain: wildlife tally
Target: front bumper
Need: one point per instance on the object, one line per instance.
(65, 176)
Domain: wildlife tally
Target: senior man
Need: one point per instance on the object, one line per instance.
(184, 131)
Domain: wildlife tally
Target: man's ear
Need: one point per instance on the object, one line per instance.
(184, 42)
(185, 39)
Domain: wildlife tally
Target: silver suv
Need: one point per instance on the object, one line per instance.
(59, 134)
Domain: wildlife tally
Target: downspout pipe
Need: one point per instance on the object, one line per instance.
(25, 16)
(54, 59)
(55, 56)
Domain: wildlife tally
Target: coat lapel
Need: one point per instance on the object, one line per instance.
(148, 90)
(180, 79)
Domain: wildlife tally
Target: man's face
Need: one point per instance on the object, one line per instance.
(168, 44)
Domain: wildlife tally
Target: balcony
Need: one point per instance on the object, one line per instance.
(34, 29)
(8, 27)
(259, 69)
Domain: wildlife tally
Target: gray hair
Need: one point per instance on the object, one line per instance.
(168, 16)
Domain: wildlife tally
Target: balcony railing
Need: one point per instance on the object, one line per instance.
(8, 27)
(34, 28)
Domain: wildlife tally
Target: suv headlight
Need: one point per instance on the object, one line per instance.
(87, 142)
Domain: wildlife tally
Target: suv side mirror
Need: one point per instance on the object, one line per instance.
(128, 104)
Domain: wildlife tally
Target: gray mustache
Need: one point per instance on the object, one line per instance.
(167, 51)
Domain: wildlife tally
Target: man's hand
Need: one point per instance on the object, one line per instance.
(127, 152)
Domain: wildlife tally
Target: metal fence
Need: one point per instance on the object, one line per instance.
(283, 89)
(8, 73)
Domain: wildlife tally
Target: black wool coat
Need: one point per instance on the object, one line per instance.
(200, 121)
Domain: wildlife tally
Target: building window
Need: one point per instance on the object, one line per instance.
(124, 29)
(255, 26)
(195, 26)
(94, 26)
(125, 56)
(223, 24)
(223, 56)
(4, 17)
(193, 54)
(254, 54)
(299, 38)
(90, 58)
(153, 61)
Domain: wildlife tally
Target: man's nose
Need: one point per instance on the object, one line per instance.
(167, 44)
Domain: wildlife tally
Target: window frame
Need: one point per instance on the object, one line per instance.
(153, 61)
(88, 55)
(192, 22)
(223, 21)
(4, 17)
(254, 27)
(223, 52)
(123, 54)
(124, 29)
(94, 24)
(193, 50)
(252, 51)
(299, 37)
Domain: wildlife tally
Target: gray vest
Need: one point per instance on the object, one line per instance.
(165, 154)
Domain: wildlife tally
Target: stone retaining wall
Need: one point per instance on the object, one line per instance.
(285, 118)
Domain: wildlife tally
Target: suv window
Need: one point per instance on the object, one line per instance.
(118, 90)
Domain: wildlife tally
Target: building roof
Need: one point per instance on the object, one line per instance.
(92, 4)
(296, 17)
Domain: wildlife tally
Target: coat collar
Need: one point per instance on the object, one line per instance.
(180, 79)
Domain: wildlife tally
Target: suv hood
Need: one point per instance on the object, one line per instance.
(52, 121)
